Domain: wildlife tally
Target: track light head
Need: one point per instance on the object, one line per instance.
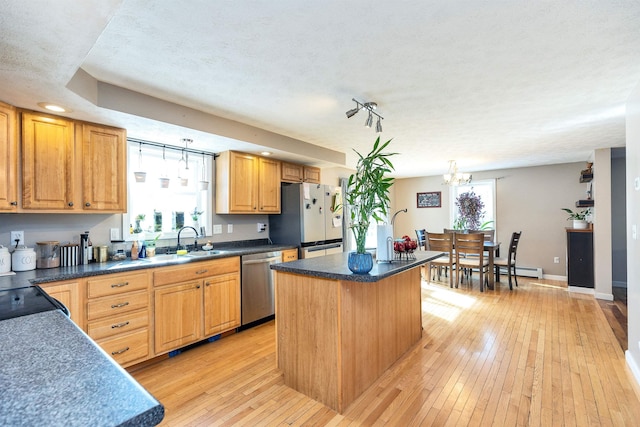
(369, 121)
(379, 125)
(352, 112)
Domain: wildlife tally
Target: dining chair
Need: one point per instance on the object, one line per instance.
(471, 244)
(441, 242)
(422, 239)
(510, 261)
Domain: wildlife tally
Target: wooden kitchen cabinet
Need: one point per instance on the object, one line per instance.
(119, 315)
(247, 184)
(312, 174)
(70, 294)
(8, 159)
(293, 172)
(289, 255)
(178, 316)
(195, 301)
(221, 303)
(104, 184)
(48, 163)
(72, 166)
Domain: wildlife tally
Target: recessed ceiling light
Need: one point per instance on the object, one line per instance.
(54, 107)
(266, 153)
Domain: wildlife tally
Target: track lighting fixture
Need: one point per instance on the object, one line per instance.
(370, 107)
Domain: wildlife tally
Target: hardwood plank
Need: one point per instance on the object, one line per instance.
(535, 356)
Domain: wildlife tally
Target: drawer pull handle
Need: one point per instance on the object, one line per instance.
(119, 285)
(122, 304)
(120, 325)
(201, 271)
(113, 353)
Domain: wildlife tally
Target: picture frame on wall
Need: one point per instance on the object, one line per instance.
(431, 199)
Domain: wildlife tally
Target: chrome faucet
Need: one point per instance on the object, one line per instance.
(195, 242)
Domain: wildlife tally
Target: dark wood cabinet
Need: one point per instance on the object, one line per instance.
(580, 258)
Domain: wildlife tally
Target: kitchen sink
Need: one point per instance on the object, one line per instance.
(204, 253)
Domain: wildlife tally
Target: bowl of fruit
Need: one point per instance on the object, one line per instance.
(405, 247)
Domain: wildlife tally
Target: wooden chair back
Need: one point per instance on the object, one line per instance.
(469, 244)
(440, 242)
(422, 239)
(489, 235)
(513, 245)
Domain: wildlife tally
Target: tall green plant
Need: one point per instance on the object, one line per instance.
(367, 192)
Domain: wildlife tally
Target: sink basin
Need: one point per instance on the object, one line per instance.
(166, 257)
(204, 253)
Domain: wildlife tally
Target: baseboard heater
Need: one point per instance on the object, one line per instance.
(529, 272)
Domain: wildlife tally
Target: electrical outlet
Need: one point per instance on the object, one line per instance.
(17, 235)
(114, 234)
(261, 227)
(217, 228)
(229, 228)
(556, 260)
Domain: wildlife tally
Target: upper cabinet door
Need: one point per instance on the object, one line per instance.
(268, 185)
(104, 168)
(48, 162)
(8, 159)
(242, 183)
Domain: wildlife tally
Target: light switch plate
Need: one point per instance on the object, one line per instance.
(114, 234)
(217, 228)
(229, 228)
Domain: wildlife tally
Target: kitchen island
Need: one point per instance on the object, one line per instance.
(337, 332)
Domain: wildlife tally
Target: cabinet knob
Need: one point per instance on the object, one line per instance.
(87, 204)
(14, 203)
(70, 204)
(197, 286)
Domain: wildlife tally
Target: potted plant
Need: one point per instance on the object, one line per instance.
(579, 218)
(367, 196)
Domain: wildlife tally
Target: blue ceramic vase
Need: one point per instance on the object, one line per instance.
(360, 263)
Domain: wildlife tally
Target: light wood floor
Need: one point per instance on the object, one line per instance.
(536, 356)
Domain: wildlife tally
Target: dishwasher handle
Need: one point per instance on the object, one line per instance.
(262, 261)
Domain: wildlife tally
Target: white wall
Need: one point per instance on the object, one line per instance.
(633, 245)
(528, 200)
(602, 224)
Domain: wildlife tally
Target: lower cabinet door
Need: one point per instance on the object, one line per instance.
(126, 349)
(221, 303)
(178, 316)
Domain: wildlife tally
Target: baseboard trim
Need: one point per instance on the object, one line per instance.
(606, 297)
(633, 366)
(554, 277)
(581, 290)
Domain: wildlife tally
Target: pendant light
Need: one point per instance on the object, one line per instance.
(140, 175)
(204, 184)
(164, 179)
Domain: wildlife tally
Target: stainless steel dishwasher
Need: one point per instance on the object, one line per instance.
(257, 285)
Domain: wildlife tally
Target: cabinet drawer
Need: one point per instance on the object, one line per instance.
(113, 284)
(289, 255)
(194, 271)
(127, 348)
(119, 324)
(117, 304)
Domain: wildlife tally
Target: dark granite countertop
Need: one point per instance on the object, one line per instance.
(335, 267)
(35, 277)
(53, 374)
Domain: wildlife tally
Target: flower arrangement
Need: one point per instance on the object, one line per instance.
(470, 212)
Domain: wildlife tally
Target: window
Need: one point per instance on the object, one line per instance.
(486, 189)
(154, 210)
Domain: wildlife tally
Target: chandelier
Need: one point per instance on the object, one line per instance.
(453, 177)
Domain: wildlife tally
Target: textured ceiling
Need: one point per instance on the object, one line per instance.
(492, 84)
